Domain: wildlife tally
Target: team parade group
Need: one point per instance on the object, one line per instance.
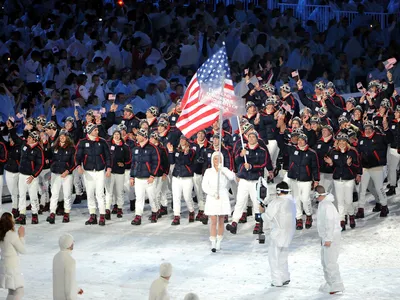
(343, 145)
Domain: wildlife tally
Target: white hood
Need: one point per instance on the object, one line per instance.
(215, 154)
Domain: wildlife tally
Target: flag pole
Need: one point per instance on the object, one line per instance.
(220, 135)
(241, 137)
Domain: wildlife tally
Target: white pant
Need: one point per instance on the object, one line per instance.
(329, 257)
(393, 162)
(94, 182)
(32, 189)
(273, 150)
(301, 192)
(377, 176)
(44, 182)
(78, 182)
(129, 192)
(344, 196)
(12, 185)
(1, 192)
(326, 181)
(197, 179)
(245, 189)
(142, 187)
(161, 193)
(278, 263)
(115, 186)
(182, 185)
(58, 183)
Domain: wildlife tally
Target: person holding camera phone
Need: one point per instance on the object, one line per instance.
(281, 212)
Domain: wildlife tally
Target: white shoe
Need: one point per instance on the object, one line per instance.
(213, 243)
(219, 240)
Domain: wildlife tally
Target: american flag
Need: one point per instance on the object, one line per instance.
(196, 115)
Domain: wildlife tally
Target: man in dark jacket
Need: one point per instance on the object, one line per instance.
(32, 162)
(145, 166)
(304, 174)
(93, 160)
(251, 162)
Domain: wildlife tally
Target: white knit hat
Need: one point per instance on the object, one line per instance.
(165, 269)
(65, 241)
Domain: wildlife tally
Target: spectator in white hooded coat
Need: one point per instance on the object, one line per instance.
(11, 244)
(281, 211)
(64, 271)
(158, 289)
(329, 230)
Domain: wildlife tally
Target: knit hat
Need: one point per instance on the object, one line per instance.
(90, 128)
(253, 132)
(369, 124)
(297, 119)
(351, 133)
(342, 119)
(329, 127)
(122, 127)
(359, 108)
(303, 137)
(286, 88)
(35, 136)
(163, 123)
(90, 112)
(385, 103)
(70, 119)
(244, 121)
(320, 86)
(296, 132)
(315, 119)
(155, 135)
(41, 120)
(269, 87)
(323, 111)
(153, 110)
(65, 241)
(269, 101)
(374, 83)
(342, 137)
(31, 121)
(249, 104)
(129, 108)
(397, 108)
(165, 269)
(143, 122)
(330, 84)
(184, 138)
(163, 116)
(143, 132)
(64, 132)
(247, 127)
(351, 100)
(51, 125)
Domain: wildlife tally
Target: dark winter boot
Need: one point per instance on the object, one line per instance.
(60, 208)
(345, 219)
(115, 209)
(249, 211)
(352, 222)
(132, 205)
(108, 214)
(226, 220)
(191, 217)
(153, 217)
(391, 191)
(243, 219)
(309, 222)
(51, 219)
(232, 228)
(343, 225)
(119, 213)
(78, 199)
(92, 220)
(159, 215)
(102, 220)
(66, 218)
(200, 215)
(257, 229)
(163, 210)
(377, 208)
(40, 211)
(137, 220)
(15, 213)
(46, 207)
(360, 213)
(29, 207)
(21, 220)
(176, 220)
(384, 211)
(204, 220)
(299, 224)
(35, 219)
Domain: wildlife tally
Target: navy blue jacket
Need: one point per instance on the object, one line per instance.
(267, 126)
(120, 153)
(171, 136)
(3, 157)
(129, 123)
(183, 162)
(258, 158)
(393, 134)
(93, 155)
(373, 150)
(63, 159)
(323, 149)
(342, 171)
(303, 165)
(145, 161)
(32, 160)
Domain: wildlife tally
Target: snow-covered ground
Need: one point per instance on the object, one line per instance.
(119, 261)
